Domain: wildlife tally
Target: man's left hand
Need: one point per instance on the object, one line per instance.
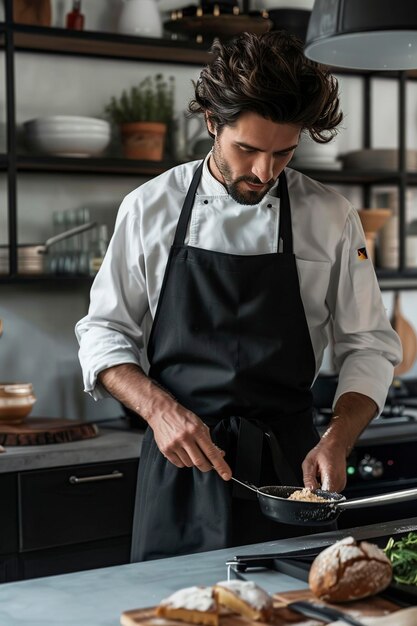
(325, 467)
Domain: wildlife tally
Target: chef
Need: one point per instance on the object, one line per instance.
(213, 307)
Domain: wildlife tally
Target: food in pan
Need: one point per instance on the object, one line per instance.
(195, 605)
(348, 570)
(244, 597)
(307, 495)
(403, 556)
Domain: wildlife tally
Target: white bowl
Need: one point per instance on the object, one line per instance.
(66, 119)
(309, 149)
(81, 144)
(65, 123)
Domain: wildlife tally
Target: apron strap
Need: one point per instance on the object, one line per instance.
(187, 207)
(282, 468)
(285, 226)
(249, 458)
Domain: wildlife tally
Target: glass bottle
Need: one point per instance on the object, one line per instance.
(75, 19)
(99, 243)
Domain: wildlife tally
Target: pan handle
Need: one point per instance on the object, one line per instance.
(385, 498)
(248, 485)
(69, 233)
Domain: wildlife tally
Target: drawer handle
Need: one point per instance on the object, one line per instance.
(74, 480)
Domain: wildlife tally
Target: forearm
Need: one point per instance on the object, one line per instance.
(352, 414)
(180, 435)
(129, 384)
(325, 464)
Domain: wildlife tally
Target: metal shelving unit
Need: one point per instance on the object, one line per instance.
(108, 45)
(42, 40)
(104, 165)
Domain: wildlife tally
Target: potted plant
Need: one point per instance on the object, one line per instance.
(144, 113)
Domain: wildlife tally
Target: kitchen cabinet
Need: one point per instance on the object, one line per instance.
(65, 519)
(18, 38)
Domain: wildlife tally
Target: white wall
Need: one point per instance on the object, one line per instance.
(38, 343)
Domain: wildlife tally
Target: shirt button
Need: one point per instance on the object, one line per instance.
(205, 201)
(269, 206)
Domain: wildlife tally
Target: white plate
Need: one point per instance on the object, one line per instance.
(378, 159)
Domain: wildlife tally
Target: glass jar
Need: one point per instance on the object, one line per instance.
(16, 402)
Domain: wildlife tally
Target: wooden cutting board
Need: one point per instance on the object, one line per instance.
(37, 431)
(369, 607)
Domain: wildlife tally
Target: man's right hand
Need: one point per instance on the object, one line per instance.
(185, 440)
(180, 435)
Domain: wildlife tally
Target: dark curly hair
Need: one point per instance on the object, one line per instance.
(268, 75)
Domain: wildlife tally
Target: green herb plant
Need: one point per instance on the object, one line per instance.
(150, 101)
(403, 556)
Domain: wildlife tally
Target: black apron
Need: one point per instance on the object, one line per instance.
(231, 342)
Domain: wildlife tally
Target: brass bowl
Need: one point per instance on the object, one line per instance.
(16, 402)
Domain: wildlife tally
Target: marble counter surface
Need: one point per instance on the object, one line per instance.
(98, 597)
(111, 444)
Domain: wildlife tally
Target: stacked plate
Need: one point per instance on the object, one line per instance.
(28, 260)
(378, 159)
(67, 135)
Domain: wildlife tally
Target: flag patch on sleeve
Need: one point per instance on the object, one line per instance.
(362, 254)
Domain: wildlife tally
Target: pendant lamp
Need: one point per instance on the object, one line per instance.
(363, 34)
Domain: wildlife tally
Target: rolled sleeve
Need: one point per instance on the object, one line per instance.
(112, 331)
(366, 348)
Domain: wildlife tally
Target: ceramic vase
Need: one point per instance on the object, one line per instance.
(140, 18)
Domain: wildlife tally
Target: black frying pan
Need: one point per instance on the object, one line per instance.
(274, 504)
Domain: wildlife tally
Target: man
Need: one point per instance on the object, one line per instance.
(226, 276)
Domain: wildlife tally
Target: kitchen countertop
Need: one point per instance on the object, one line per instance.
(98, 597)
(117, 442)
(111, 444)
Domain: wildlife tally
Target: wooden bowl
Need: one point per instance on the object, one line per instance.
(373, 219)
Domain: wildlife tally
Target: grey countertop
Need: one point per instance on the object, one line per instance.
(111, 444)
(116, 442)
(98, 597)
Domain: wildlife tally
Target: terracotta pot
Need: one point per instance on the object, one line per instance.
(143, 140)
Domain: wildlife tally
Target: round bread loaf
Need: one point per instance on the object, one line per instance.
(348, 570)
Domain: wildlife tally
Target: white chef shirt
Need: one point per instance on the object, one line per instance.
(338, 290)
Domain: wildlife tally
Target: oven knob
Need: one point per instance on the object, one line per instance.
(370, 467)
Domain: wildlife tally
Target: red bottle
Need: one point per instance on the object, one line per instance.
(75, 19)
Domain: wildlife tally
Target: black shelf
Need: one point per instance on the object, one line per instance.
(103, 165)
(121, 166)
(388, 279)
(359, 177)
(47, 279)
(107, 45)
(50, 40)
(395, 280)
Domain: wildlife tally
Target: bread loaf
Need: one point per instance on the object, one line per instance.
(244, 597)
(195, 605)
(348, 570)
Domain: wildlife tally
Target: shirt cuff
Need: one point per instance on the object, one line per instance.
(368, 374)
